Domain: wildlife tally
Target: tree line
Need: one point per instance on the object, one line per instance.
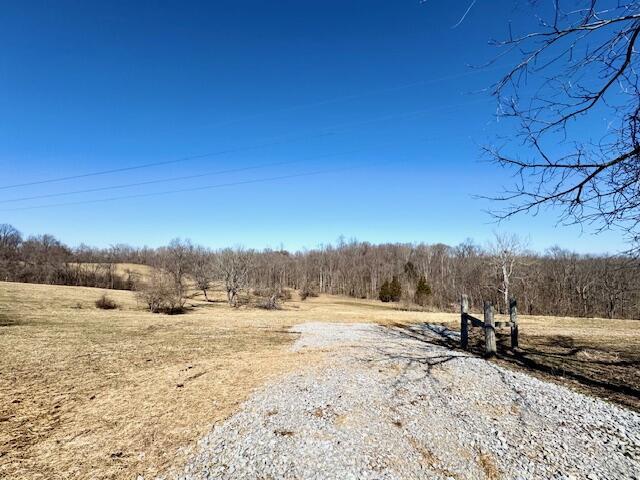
(556, 282)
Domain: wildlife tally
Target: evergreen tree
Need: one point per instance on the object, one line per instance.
(423, 291)
(395, 289)
(385, 292)
(410, 271)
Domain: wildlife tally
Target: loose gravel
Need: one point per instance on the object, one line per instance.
(385, 405)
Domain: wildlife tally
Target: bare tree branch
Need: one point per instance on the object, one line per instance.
(581, 64)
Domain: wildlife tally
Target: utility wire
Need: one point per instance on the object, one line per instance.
(327, 132)
(151, 164)
(189, 177)
(194, 189)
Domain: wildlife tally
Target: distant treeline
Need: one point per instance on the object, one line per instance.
(557, 282)
(44, 259)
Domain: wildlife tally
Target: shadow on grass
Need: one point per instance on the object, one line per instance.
(7, 321)
(608, 373)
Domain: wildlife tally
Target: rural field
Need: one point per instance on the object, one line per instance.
(336, 240)
(90, 393)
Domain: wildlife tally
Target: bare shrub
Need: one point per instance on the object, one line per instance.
(285, 295)
(260, 292)
(270, 303)
(308, 291)
(160, 294)
(272, 299)
(106, 303)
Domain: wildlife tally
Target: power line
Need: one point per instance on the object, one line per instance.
(327, 131)
(189, 177)
(185, 190)
(151, 164)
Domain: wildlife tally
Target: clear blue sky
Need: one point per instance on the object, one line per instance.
(379, 87)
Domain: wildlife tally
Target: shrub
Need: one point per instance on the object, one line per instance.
(106, 303)
(270, 303)
(161, 295)
(271, 299)
(260, 292)
(308, 291)
(285, 295)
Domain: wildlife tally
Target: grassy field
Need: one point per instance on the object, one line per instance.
(88, 393)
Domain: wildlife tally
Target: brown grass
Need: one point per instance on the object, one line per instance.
(89, 393)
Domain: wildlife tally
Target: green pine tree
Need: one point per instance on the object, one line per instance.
(385, 292)
(423, 291)
(395, 289)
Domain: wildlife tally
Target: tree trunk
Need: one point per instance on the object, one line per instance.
(231, 297)
(505, 286)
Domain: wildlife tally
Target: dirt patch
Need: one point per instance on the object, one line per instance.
(488, 466)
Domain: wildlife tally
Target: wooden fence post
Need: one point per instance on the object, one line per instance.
(489, 331)
(464, 322)
(513, 318)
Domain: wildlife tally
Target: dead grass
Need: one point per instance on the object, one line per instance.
(89, 393)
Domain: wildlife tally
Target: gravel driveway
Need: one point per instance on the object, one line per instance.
(387, 406)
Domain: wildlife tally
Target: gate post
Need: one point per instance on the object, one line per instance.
(489, 331)
(513, 317)
(464, 322)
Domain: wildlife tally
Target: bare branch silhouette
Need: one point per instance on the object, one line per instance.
(578, 68)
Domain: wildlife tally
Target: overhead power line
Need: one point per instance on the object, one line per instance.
(151, 164)
(189, 177)
(190, 190)
(326, 131)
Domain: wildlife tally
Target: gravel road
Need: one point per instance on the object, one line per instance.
(385, 405)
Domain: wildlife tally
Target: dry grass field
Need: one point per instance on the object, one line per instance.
(89, 393)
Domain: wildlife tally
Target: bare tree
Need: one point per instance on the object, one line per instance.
(10, 240)
(505, 252)
(233, 268)
(574, 95)
(558, 282)
(175, 260)
(202, 269)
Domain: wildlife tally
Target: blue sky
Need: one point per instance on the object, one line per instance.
(368, 107)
